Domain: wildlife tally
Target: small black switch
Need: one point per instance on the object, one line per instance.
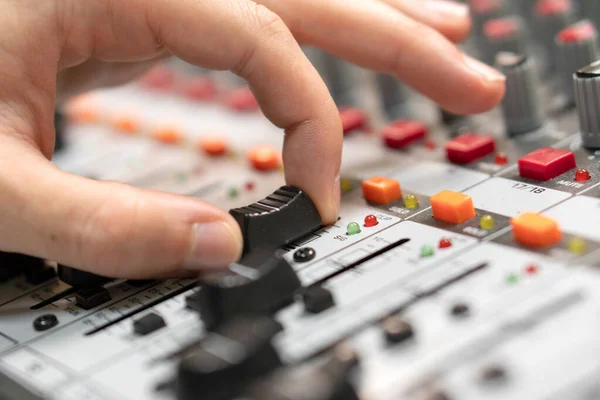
(493, 373)
(148, 324)
(78, 278)
(396, 329)
(45, 322)
(460, 310)
(245, 290)
(139, 283)
(282, 217)
(193, 302)
(89, 298)
(317, 299)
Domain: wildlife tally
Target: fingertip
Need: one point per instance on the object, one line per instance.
(215, 245)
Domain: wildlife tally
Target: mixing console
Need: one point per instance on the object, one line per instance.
(463, 265)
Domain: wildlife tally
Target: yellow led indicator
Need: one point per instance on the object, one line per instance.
(345, 185)
(487, 222)
(577, 246)
(411, 201)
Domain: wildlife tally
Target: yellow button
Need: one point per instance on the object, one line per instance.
(535, 230)
(452, 207)
(381, 190)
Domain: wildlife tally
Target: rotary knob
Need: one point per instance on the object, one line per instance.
(485, 10)
(552, 16)
(339, 76)
(587, 100)
(503, 35)
(578, 47)
(591, 9)
(394, 96)
(521, 105)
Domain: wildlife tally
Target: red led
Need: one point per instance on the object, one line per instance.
(500, 28)
(469, 147)
(582, 175)
(549, 8)
(445, 243)
(501, 159)
(430, 145)
(352, 119)
(577, 33)
(370, 220)
(546, 163)
(242, 100)
(401, 133)
(249, 186)
(531, 269)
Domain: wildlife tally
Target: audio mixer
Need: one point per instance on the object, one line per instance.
(464, 263)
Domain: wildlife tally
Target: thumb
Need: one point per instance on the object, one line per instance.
(107, 228)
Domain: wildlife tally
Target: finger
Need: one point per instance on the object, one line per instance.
(107, 228)
(378, 37)
(449, 17)
(253, 42)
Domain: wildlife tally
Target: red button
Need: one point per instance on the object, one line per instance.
(352, 119)
(549, 8)
(546, 163)
(403, 132)
(500, 28)
(469, 147)
(577, 33)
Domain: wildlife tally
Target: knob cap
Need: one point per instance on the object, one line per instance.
(282, 217)
(504, 35)
(578, 47)
(587, 100)
(77, 278)
(520, 106)
(246, 290)
(220, 366)
(394, 96)
(552, 16)
(340, 78)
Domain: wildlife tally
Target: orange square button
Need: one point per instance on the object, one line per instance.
(452, 207)
(381, 190)
(535, 230)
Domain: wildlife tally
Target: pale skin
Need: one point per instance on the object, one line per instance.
(52, 49)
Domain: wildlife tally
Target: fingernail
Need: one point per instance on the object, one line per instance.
(485, 71)
(216, 245)
(447, 8)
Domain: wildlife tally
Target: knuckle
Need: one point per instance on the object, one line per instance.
(269, 24)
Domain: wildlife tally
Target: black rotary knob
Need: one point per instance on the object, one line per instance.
(587, 100)
(521, 106)
(259, 285)
(577, 47)
(221, 366)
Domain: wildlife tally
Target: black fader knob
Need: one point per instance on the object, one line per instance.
(394, 96)
(577, 47)
(221, 366)
(246, 290)
(504, 35)
(78, 278)
(587, 100)
(521, 105)
(327, 381)
(34, 269)
(280, 218)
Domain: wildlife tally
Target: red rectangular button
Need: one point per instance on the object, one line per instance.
(546, 163)
(401, 133)
(469, 147)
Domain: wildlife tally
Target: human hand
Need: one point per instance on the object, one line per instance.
(54, 48)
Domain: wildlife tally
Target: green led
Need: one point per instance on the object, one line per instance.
(411, 201)
(426, 251)
(577, 246)
(233, 193)
(353, 228)
(487, 222)
(512, 279)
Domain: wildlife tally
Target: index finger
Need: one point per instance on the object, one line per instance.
(253, 42)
